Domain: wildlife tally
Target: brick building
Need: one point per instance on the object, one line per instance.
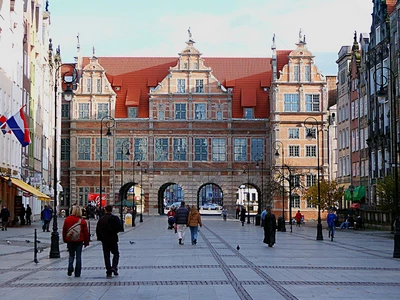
(197, 129)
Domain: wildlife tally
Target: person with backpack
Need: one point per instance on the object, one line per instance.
(107, 232)
(76, 234)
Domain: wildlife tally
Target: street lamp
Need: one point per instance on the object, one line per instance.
(55, 238)
(109, 123)
(393, 115)
(310, 135)
(351, 189)
(248, 192)
(125, 144)
(258, 159)
(141, 190)
(278, 145)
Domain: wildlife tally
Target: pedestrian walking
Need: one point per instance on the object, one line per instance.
(107, 232)
(5, 216)
(263, 214)
(28, 214)
(76, 234)
(269, 228)
(194, 220)
(171, 218)
(181, 219)
(243, 215)
(237, 211)
(224, 213)
(46, 216)
(298, 218)
(331, 219)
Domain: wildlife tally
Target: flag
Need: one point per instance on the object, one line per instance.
(19, 126)
(3, 125)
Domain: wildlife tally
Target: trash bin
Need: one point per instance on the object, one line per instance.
(281, 223)
(128, 219)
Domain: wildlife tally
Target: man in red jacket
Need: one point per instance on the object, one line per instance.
(75, 223)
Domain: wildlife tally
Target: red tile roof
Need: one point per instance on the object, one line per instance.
(282, 57)
(137, 74)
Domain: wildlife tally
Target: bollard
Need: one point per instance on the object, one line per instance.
(35, 249)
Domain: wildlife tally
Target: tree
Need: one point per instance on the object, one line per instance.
(330, 193)
(385, 192)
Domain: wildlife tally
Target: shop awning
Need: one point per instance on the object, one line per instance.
(28, 188)
(358, 194)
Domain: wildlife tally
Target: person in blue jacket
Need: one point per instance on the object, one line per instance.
(330, 219)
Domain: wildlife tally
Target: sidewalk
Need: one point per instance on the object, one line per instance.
(356, 265)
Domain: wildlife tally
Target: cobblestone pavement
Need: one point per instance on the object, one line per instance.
(356, 265)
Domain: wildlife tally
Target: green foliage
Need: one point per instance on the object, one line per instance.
(385, 192)
(330, 193)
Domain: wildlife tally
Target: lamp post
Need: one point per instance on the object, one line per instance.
(248, 192)
(55, 238)
(260, 201)
(141, 190)
(123, 146)
(394, 147)
(109, 123)
(351, 189)
(310, 135)
(278, 145)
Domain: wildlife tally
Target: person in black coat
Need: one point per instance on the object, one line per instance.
(269, 228)
(28, 214)
(22, 215)
(243, 215)
(107, 232)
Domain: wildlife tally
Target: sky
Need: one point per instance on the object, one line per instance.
(220, 28)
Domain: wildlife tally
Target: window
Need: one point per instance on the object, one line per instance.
(140, 149)
(64, 110)
(294, 133)
(89, 85)
(309, 204)
(180, 111)
(200, 111)
(83, 148)
(296, 201)
(219, 115)
(104, 153)
(257, 149)
(239, 149)
(291, 102)
(132, 112)
(83, 193)
(311, 132)
(83, 111)
(378, 35)
(248, 113)
(307, 73)
(102, 110)
(296, 73)
(195, 66)
(311, 151)
(65, 149)
(312, 102)
(119, 150)
(98, 85)
(161, 151)
(200, 150)
(161, 115)
(185, 65)
(311, 180)
(199, 86)
(294, 151)
(179, 149)
(218, 149)
(181, 86)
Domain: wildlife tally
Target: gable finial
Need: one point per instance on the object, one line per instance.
(190, 34)
(300, 35)
(273, 39)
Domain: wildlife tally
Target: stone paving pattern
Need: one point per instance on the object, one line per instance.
(356, 265)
